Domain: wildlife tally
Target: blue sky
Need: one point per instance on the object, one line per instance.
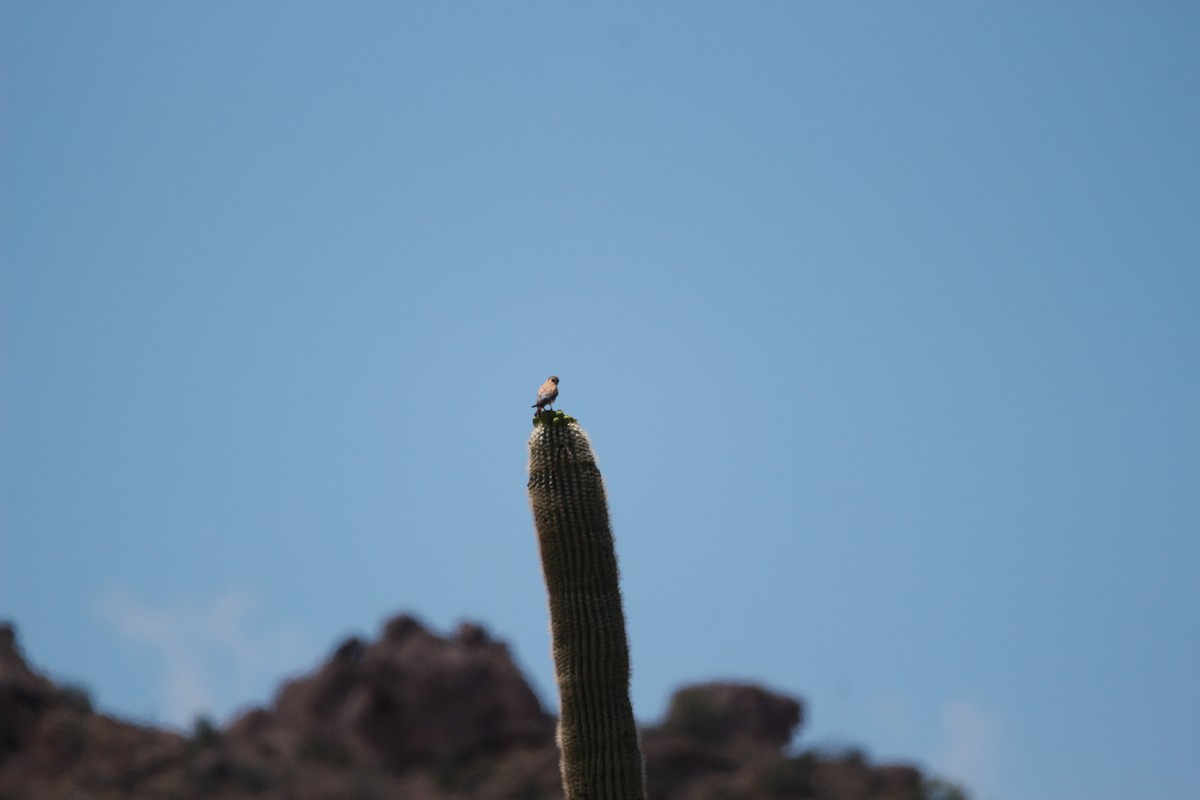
(882, 317)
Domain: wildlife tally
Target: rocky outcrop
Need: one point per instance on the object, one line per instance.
(410, 699)
(52, 741)
(25, 696)
(730, 713)
(416, 715)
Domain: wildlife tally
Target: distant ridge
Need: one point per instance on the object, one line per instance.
(418, 716)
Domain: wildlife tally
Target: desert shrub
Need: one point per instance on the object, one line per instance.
(852, 757)
(530, 790)
(68, 738)
(454, 775)
(205, 733)
(789, 777)
(251, 778)
(208, 773)
(938, 789)
(362, 787)
(696, 716)
(76, 697)
(324, 749)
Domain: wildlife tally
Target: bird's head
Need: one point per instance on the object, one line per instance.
(553, 379)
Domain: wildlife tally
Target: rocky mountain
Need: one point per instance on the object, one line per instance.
(412, 715)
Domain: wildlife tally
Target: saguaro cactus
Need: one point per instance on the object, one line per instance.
(601, 757)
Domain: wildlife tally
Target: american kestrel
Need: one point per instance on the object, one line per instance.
(546, 393)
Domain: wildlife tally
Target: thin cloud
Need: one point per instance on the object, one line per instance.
(970, 745)
(212, 660)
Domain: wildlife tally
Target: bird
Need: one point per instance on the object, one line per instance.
(546, 393)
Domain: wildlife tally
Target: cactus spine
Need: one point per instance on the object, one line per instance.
(601, 757)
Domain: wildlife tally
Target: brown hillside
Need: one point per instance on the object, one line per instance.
(411, 715)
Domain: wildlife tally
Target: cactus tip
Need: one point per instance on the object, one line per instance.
(552, 418)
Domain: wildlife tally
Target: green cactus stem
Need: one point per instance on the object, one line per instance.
(601, 756)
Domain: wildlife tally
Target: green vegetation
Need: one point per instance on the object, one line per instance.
(324, 749)
(695, 716)
(552, 418)
(789, 777)
(76, 697)
(205, 733)
(937, 789)
(251, 778)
